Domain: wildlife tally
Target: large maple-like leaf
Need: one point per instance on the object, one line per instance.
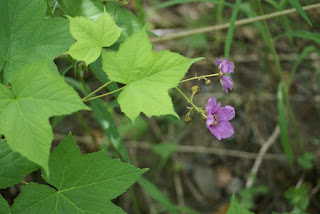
(27, 37)
(92, 36)
(148, 76)
(82, 183)
(36, 95)
(4, 206)
(14, 167)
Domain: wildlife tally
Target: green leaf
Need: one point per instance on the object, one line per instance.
(231, 29)
(124, 19)
(36, 95)
(4, 206)
(148, 76)
(235, 208)
(14, 167)
(92, 36)
(298, 196)
(82, 183)
(26, 37)
(87, 8)
(305, 160)
(296, 4)
(286, 145)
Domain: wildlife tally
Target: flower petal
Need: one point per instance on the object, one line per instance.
(218, 62)
(209, 120)
(213, 130)
(227, 83)
(222, 129)
(226, 113)
(212, 106)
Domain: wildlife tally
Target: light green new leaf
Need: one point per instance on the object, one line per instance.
(92, 36)
(36, 95)
(14, 167)
(4, 206)
(235, 208)
(83, 183)
(148, 76)
(27, 37)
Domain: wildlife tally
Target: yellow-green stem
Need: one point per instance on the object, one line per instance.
(191, 103)
(103, 95)
(95, 91)
(199, 78)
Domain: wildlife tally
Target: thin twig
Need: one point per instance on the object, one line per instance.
(262, 153)
(179, 189)
(227, 25)
(183, 148)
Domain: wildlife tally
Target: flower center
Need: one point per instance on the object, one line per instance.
(216, 120)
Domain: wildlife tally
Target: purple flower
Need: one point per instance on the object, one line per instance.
(225, 67)
(218, 119)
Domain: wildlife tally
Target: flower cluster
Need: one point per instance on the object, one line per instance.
(225, 68)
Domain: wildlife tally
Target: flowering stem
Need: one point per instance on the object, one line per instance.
(199, 78)
(95, 91)
(199, 110)
(102, 95)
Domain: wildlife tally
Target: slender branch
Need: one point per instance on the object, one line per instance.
(103, 95)
(199, 78)
(85, 99)
(262, 153)
(227, 25)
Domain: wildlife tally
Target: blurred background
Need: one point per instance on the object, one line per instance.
(271, 163)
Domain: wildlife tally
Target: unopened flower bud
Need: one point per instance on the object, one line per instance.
(187, 120)
(208, 82)
(195, 89)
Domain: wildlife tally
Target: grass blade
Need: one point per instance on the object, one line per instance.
(231, 29)
(296, 4)
(302, 34)
(283, 124)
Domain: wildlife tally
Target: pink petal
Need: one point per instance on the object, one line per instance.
(209, 120)
(222, 130)
(218, 62)
(215, 132)
(227, 83)
(226, 113)
(212, 106)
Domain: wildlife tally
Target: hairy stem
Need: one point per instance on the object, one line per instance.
(199, 78)
(95, 91)
(199, 110)
(103, 95)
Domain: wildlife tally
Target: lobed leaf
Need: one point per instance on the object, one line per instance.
(148, 76)
(26, 37)
(92, 36)
(36, 95)
(4, 206)
(235, 207)
(82, 183)
(14, 167)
